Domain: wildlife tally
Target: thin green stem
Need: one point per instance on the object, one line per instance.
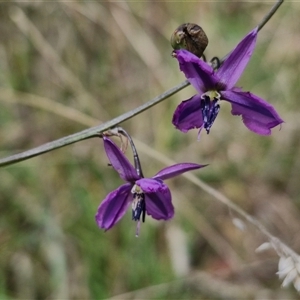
(95, 131)
(90, 132)
(269, 15)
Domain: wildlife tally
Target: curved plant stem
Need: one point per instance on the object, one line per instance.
(95, 131)
(90, 132)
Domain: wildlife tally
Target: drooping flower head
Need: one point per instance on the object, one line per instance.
(146, 195)
(201, 110)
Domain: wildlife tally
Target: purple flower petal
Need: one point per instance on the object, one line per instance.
(119, 161)
(258, 115)
(114, 206)
(159, 205)
(176, 170)
(198, 73)
(149, 185)
(233, 67)
(188, 114)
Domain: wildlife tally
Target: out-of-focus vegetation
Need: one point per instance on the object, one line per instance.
(67, 66)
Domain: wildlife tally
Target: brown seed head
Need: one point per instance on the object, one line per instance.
(191, 37)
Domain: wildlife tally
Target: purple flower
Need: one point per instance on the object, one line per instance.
(201, 110)
(149, 195)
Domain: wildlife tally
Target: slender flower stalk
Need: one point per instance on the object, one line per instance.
(146, 195)
(212, 86)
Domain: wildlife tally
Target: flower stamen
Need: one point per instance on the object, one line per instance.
(138, 204)
(210, 108)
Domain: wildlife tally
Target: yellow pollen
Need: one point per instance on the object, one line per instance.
(212, 95)
(136, 190)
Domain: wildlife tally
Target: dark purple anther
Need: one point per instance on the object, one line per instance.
(210, 110)
(138, 207)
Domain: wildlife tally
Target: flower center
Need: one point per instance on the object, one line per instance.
(210, 108)
(138, 206)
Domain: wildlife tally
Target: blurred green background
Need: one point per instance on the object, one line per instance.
(71, 65)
